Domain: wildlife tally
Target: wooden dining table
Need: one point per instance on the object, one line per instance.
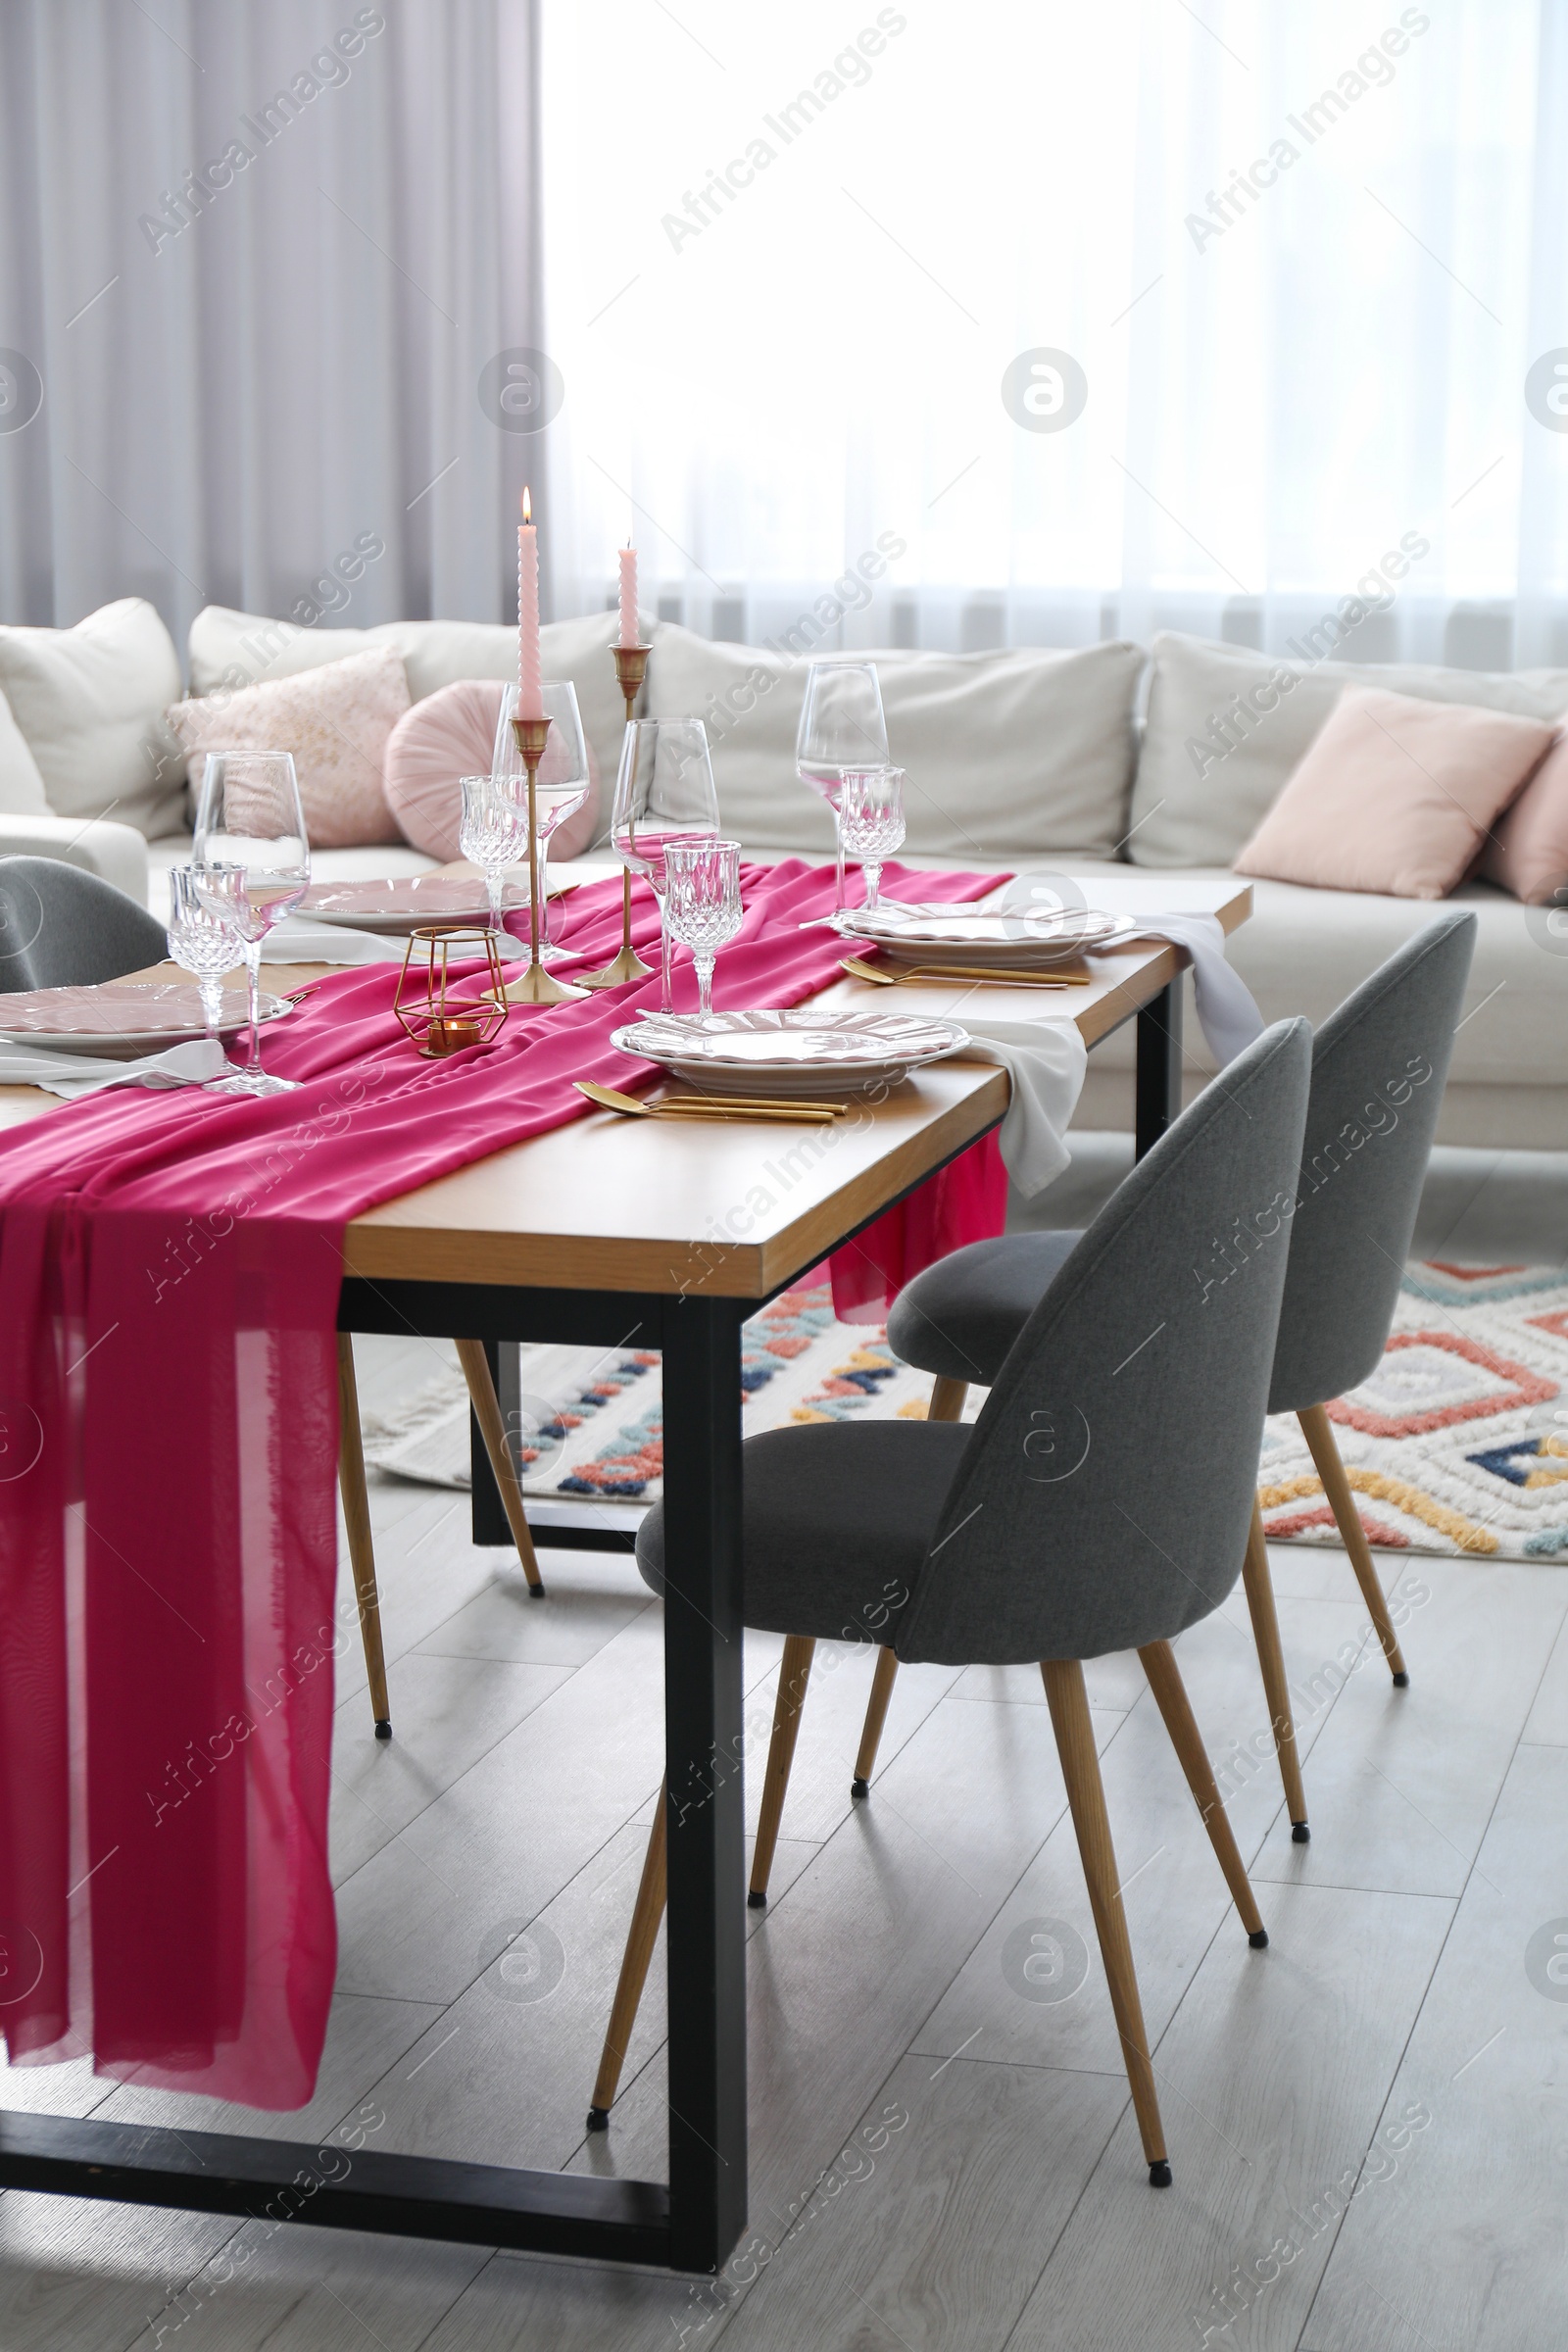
(611, 1233)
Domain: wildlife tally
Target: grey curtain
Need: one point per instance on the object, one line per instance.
(268, 296)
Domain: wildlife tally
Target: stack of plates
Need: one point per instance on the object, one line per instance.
(805, 1053)
(121, 1018)
(978, 936)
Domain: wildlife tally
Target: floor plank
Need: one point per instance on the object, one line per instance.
(1462, 2248)
(1403, 1782)
(934, 2221)
(1272, 2077)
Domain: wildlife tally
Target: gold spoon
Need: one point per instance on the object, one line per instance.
(707, 1107)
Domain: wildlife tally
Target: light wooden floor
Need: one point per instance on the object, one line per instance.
(1368, 2121)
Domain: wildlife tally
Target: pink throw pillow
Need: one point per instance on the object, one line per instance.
(336, 721)
(449, 735)
(1394, 794)
(1526, 851)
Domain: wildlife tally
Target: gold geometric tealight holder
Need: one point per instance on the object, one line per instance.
(537, 986)
(631, 668)
(438, 1022)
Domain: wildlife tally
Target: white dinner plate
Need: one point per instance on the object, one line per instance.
(800, 1053)
(982, 935)
(120, 1018)
(393, 909)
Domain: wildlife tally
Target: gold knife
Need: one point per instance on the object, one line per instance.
(628, 1105)
(926, 977)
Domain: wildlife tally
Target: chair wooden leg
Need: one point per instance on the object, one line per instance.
(487, 1411)
(356, 1518)
(792, 1675)
(641, 1936)
(876, 1715)
(1075, 1741)
(1271, 1658)
(1318, 1431)
(1170, 1696)
(947, 1404)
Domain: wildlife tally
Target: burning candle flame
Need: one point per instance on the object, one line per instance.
(527, 510)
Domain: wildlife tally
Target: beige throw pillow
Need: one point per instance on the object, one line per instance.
(22, 792)
(336, 720)
(90, 703)
(1395, 795)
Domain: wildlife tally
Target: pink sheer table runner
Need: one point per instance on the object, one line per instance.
(169, 1269)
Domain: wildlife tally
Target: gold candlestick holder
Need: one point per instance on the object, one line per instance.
(631, 668)
(537, 986)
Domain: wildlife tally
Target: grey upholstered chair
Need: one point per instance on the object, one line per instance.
(62, 927)
(1101, 1501)
(1379, 1065)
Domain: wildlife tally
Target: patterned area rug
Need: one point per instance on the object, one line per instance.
(591, 1425)
(1457, 1444)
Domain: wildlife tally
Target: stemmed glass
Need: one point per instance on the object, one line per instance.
(561, 786)
(703, 904)
(203, 942)
(252, 864)
(871, 820)
(663, 794)
(493, 833)
(842, 727)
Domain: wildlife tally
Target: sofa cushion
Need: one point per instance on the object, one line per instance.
(336, 721)
(1017, 754)
(1527, 850)
(1198, 797)
(1395, 795)
(239, 648)
(22, 792)
(451, 735)
(90, 702)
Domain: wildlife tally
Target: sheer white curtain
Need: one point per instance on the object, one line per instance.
(240, 381)
(1297, 264)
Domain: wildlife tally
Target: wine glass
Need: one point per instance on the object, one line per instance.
(252, 863)
(560, 785)
(663, 794)
(202, 941)
(842, 726)
(703, 904)
(493, 833)
(871, 819)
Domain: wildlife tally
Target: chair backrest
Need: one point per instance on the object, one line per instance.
(1379, 1065)
(62, 927)
(1105, 1497)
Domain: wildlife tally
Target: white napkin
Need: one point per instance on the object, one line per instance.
(1226, 1012)
(1045, 1061)
(72, 1074)
(300, 939)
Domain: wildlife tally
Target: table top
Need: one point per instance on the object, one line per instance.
(614, 1204)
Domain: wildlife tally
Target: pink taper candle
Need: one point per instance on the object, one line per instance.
(530, 675)
(628, 595)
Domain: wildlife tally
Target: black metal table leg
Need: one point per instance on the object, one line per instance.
(1158, 1081)
(703, 1709)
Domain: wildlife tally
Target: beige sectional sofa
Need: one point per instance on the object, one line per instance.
(1106, 761)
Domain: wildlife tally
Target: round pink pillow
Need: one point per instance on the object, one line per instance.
(449, 735)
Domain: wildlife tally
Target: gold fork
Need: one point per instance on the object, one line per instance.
(709, 1107)
(857, 970)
